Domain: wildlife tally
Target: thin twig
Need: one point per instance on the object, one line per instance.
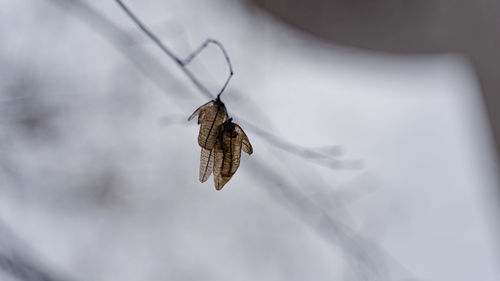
(182, 64)
(365, 258)
(18, 261)
(224, 52)
(304, 152)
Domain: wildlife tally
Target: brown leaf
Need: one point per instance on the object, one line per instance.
(247, 147)
(227, 152)
(206, 163)
(210, 115)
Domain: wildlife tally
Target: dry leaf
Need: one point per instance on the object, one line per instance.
(247, 147)
(210, 115)
(227, 152)
(206, 163)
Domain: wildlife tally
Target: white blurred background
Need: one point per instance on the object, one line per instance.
(99, 166)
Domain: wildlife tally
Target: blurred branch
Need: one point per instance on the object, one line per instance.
(363, 256)
(303, 152)
(121, 40)
(20, 266)
(23, 271)
(367, 260)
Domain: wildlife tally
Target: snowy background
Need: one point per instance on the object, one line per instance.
(99, 166)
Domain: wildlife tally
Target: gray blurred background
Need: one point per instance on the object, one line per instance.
(373, 126)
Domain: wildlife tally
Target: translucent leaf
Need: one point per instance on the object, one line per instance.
(206, 163)
(246, 146)
(198, 112)
(227, 152)
(210, 115)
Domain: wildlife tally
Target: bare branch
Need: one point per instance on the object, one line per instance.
(182, 63)
(226, 56)
(16, 261)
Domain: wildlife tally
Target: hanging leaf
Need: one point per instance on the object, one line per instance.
(247, 147)
(210, 115)
(206, 163)
(227, 152)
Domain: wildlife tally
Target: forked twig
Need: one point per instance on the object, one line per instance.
(224, 52)
(182, 63)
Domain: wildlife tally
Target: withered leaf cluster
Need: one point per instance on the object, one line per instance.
(221, 142)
